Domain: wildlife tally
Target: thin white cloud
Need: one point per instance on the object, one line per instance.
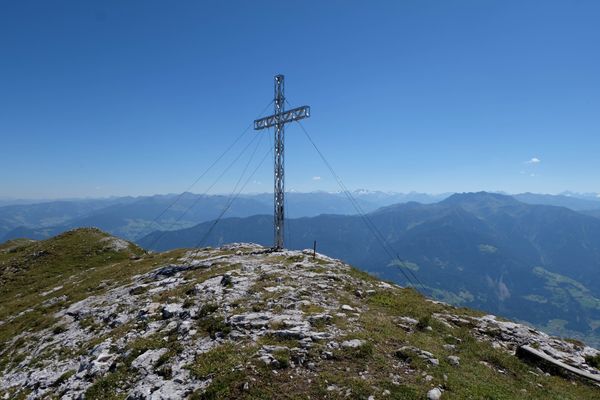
(533, 160)
(316, 178)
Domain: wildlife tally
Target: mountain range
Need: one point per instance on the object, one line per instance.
(134, 217)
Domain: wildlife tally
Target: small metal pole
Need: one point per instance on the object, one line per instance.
(314, 249)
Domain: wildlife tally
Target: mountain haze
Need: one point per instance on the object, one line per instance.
(577, 203)
(133, 217)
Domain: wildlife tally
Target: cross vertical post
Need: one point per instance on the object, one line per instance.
(278, 120)
(279, 188)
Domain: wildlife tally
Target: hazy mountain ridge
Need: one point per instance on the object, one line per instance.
(576, 202)
(133, 217)
(592, 213)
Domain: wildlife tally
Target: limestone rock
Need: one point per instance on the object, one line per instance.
(454, 360)
(292, 317)
(434, 394)
(353, 344)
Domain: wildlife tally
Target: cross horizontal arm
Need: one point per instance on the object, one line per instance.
(294, 114)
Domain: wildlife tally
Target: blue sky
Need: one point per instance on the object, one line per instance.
(106, 98)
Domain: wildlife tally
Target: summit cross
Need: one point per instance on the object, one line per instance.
(279, 118)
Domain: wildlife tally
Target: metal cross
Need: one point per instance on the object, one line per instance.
(278, 120)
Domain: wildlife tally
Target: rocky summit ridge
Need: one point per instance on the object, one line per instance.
(88, 316)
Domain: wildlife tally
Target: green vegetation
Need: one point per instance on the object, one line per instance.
(463, 297)
(106, 386)
(363, 353)
(536, 298)
(64, 377)
(564, 288)
(214, 326)
(312, 309)
(218, 359)
(594, 361)
(222, 364)
(74, 264)
(207, 309)
(477, 377)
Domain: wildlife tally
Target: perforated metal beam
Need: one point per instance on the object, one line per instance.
(294, 114)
